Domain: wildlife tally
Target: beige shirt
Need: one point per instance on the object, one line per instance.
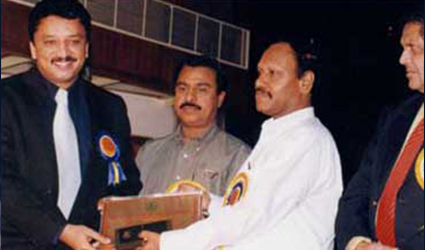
(211, 160)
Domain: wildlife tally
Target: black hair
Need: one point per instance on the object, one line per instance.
(207, 62)
(69, 9)
(416, 17)
(307, 55)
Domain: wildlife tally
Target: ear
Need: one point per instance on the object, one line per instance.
(307, 82)
(221, 98)
(33, 51)
(87, 50)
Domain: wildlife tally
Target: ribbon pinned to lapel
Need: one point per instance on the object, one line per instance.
(110, 152)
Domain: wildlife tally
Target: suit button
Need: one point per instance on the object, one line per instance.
(49, 192)
(374, 203)
(401, 201)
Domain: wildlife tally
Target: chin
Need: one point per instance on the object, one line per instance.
(416, 85)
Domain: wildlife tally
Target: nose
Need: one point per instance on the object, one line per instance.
(404, 57)
(259, 82)
(63, 49)
(191, 95)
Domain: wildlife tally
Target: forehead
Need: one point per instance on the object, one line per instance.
(412, 33)
(278, 56)
(197, 75)
(55, 26)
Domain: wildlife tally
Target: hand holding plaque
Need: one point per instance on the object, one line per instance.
(123, 218)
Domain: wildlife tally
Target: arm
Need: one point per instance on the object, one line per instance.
(354, 207)
(23, 206)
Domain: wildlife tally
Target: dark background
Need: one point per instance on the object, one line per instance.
(358, 46)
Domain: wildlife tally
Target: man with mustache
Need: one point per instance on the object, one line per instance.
(61, 137)
(198, 151)
(285, 195)
(383, 206)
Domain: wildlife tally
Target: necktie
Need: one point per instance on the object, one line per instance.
(385, 220)
(67, 155)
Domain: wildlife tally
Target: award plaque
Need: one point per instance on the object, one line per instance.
(123, 218)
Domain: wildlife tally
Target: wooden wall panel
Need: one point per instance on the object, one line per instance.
(14, 22)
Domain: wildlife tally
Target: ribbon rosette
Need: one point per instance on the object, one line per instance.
(110, 151)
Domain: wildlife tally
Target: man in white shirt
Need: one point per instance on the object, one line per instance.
(285, 194)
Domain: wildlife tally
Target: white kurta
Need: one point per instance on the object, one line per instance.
(291, 202)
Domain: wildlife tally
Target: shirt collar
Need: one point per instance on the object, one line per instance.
(207, 137)
(35, 75)
(273, 125)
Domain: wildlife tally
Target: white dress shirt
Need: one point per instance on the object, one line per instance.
(294, 183)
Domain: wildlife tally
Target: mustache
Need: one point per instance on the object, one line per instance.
(190, 104)
(64, 59)
(264, 91)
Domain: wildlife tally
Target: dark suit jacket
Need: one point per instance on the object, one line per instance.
(357, 207)
(29, 183)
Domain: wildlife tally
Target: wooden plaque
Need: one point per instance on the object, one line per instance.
(124, 217)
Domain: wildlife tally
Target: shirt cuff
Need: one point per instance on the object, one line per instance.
(355, 241)
(58, 235)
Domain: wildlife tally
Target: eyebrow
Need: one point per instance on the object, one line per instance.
(202, 84)
(70, 36)
(197, 84)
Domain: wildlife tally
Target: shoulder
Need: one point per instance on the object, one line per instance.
(103, 95)
(410, 105)
(404, 112)
(231, 142)
(15, 90)
(155, 145)
(153, 149)
(311, 135)
(12, 85)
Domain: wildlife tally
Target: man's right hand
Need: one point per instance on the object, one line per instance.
(373, 246)
(80, 237)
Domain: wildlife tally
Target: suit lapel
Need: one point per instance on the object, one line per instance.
(41, 112)
(95, 176)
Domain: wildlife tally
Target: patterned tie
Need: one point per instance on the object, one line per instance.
(385, 220)
(67, 155)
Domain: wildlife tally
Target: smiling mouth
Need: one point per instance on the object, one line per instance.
(64, 62)
(63, 65)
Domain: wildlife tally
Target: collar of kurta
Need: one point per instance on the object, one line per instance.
(273, 126)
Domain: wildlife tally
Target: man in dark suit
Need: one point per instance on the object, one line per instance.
(383, 205)
(65, 143)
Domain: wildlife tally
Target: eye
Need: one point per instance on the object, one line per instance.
(203, 89)
(76, 41)
(180, 88)
(417, 49)
(49, 42)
